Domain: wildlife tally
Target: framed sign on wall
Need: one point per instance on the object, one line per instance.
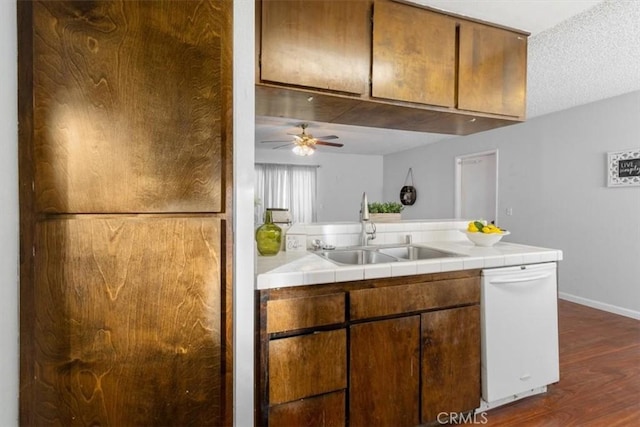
(623, 168)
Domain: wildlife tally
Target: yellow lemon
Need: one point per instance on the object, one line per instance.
(472, 228)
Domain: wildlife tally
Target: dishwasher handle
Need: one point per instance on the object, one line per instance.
(519, 279)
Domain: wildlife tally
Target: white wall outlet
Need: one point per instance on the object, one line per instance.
(509, 211)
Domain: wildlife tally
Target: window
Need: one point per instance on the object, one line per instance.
(290, 187)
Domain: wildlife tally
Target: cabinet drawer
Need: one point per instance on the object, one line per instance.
(307, 365)
(307, 312)
(375, 302)
(328, 410)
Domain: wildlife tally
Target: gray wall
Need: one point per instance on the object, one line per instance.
(342, 178)
(8, 217)
(552, 173)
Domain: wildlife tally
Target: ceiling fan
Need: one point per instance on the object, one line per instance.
(304, 144)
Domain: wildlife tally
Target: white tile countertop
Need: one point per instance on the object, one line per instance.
(295, 268)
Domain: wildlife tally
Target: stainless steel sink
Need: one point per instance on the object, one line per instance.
(377, 255)
(409, 252)
(356, 256)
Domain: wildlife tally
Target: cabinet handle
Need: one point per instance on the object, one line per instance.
(518, 280)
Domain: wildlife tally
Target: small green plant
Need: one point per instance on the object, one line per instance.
(385, 207)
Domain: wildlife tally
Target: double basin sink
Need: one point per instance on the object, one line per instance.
(382, 254)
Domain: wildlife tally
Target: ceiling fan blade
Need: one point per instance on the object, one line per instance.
(327, 137)
(281, 146)
(330, 144)
(279, 140)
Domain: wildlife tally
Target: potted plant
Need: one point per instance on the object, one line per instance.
(385, 211)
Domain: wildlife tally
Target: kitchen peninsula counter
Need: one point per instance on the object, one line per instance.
(295, 268)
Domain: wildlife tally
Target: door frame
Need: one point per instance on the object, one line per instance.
(458, 179)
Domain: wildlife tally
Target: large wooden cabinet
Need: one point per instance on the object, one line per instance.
(412, 346)
(125, 184)
(393, 65)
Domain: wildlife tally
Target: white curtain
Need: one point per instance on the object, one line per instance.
(286, 186)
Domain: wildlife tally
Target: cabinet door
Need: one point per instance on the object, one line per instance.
(307, 365)
(450, 361)
(127, 322)
(384, 373)
(493, 70)
(327, 410)
(128, 105)
(414, 55)
(321, 44)
(305, 312)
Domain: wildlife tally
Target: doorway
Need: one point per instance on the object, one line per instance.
(477, 186)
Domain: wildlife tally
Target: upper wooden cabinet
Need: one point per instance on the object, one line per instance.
(127, 107)
(388, 64)
(318, 44)
(493, 70)
(414, 55)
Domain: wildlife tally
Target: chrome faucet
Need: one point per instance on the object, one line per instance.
(365, 235)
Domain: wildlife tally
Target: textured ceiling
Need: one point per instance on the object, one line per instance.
(590, 55)
(533, 16)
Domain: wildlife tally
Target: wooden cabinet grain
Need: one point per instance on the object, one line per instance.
(384, 373)
(412, 345)
(307, 365)
(413, 68)
(127, 110)
(305, 312)
(125, 158)
(493, 70)
(450, 341)
(414, 55)
(123, 333)
(301, 357)
(319, 44)
(326, 410)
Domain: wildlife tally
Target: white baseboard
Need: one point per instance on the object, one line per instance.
(600, 305)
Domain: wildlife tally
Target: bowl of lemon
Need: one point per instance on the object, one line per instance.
(483, 234)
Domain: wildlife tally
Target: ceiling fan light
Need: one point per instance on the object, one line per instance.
(303, 150)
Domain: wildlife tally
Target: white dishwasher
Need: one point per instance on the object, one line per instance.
(519, 319)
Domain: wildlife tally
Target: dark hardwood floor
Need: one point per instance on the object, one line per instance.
(599, 375)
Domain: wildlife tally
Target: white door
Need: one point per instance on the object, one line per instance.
(476, 186)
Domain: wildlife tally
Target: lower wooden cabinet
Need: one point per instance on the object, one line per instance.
(450, 361)
(307, 365)
(385, 373)
(385, 352)
(327, 410)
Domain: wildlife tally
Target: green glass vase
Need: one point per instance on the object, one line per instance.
(268, 236)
